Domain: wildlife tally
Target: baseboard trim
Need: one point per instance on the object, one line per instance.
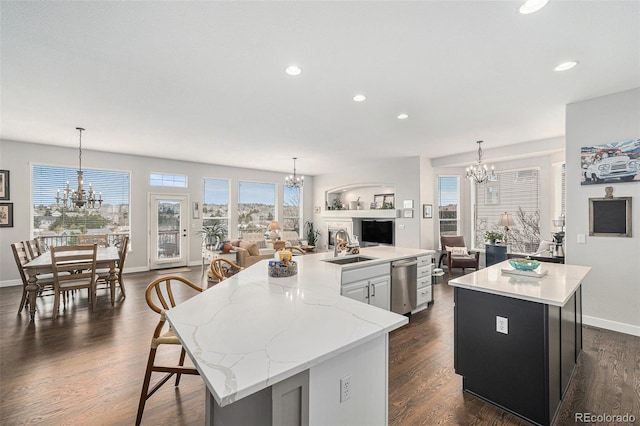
(620, 327)
(11, 283)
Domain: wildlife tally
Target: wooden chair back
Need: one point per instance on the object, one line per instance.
(100, 239)
(74, 266)
(220, 268)
(21, 256)
(124, 248)
(166, 292)
(34, 248)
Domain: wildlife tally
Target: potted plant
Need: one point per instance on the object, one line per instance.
(311, 233)
(493, 236)
(211, 234)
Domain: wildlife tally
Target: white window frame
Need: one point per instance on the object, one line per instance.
(458, 218)
(168, 180)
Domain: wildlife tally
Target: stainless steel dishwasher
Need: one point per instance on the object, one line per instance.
(404, 281)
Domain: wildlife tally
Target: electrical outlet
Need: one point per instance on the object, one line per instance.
(345, 388)
(502, 325)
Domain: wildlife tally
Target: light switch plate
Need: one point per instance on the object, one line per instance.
(582, 239)
(502, 325)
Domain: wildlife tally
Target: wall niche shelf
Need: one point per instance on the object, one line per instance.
(368, 214)
(359, 197)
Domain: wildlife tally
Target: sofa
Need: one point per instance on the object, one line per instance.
(248, 252)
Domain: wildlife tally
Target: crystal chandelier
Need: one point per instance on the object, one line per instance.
(294, 181)
(79, 198)
(479, 172)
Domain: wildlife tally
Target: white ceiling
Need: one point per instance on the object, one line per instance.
(205, 81)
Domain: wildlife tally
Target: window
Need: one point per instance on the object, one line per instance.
(59, 226)
(517, 193)
(291, 209)
(215, 205)
(256, 206)
(162, 179)
(448, 204)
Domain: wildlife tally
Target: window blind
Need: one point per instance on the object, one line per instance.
(517, 193)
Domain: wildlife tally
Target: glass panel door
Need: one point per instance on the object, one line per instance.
(168, 225)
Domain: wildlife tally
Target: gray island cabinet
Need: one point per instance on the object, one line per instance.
(517, 338)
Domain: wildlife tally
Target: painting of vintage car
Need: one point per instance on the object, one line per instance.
(609, 163)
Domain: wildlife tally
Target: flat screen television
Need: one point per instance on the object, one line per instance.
(378, 231)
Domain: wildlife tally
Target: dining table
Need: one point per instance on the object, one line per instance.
(106, 257)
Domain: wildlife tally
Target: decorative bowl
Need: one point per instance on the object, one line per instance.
(524, 264)
(279, 270)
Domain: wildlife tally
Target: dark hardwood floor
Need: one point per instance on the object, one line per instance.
(87, 368)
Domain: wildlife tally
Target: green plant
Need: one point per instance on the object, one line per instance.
(493, 235)
(387, 205)
(311, 233)
(216, 231)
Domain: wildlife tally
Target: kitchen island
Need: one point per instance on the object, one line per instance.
(291, 350)
(517, 338)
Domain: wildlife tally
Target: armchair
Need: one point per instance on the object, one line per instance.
(457, 260)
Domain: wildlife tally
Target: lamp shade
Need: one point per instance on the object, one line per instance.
(506, 220)
(274, 226)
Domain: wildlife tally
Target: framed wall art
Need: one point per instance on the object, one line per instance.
(4, 184)
(610, 163)
(427, 211)
(6, 215)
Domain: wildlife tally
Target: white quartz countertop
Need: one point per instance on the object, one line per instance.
(251, 331)
(555, 288)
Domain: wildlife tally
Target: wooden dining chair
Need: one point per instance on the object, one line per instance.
(221, 269)
(100, 239)
(161, 295)
(74, 268)
(103, 274)
(34, 248)
(21, 257)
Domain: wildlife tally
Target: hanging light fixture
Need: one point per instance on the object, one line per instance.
(294, 181)
(79, 198)
(479, 172)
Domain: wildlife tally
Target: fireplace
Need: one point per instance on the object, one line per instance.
(331, 228)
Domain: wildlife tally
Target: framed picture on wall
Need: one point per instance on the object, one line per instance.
(6, 215)
(427, 211)
(4, 184)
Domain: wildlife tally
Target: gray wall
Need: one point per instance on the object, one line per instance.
(611, 292)
(18, 157)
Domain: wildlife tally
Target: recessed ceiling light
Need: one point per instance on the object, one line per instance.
(359, 98)
(531, 6)
(403, 116)
(566, 66)
(293, 70)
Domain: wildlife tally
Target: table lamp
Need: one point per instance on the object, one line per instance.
(274, 227)
(506, 220)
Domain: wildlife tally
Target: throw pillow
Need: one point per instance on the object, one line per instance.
(261, 244)
(294, 243)
(252, 248)
(457, 251)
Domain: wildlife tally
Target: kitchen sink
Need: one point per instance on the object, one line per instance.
(348, 259)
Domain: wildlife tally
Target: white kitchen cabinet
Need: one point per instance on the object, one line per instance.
(424, 285)
(374, 291)
(370, 284)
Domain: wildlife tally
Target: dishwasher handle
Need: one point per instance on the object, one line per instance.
(404, 264)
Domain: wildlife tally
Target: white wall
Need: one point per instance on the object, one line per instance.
(611, 291)
(17, 157)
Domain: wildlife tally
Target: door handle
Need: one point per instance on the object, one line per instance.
(373, 293)
(368, 293)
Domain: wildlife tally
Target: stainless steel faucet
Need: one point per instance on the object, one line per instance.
(340, 232)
